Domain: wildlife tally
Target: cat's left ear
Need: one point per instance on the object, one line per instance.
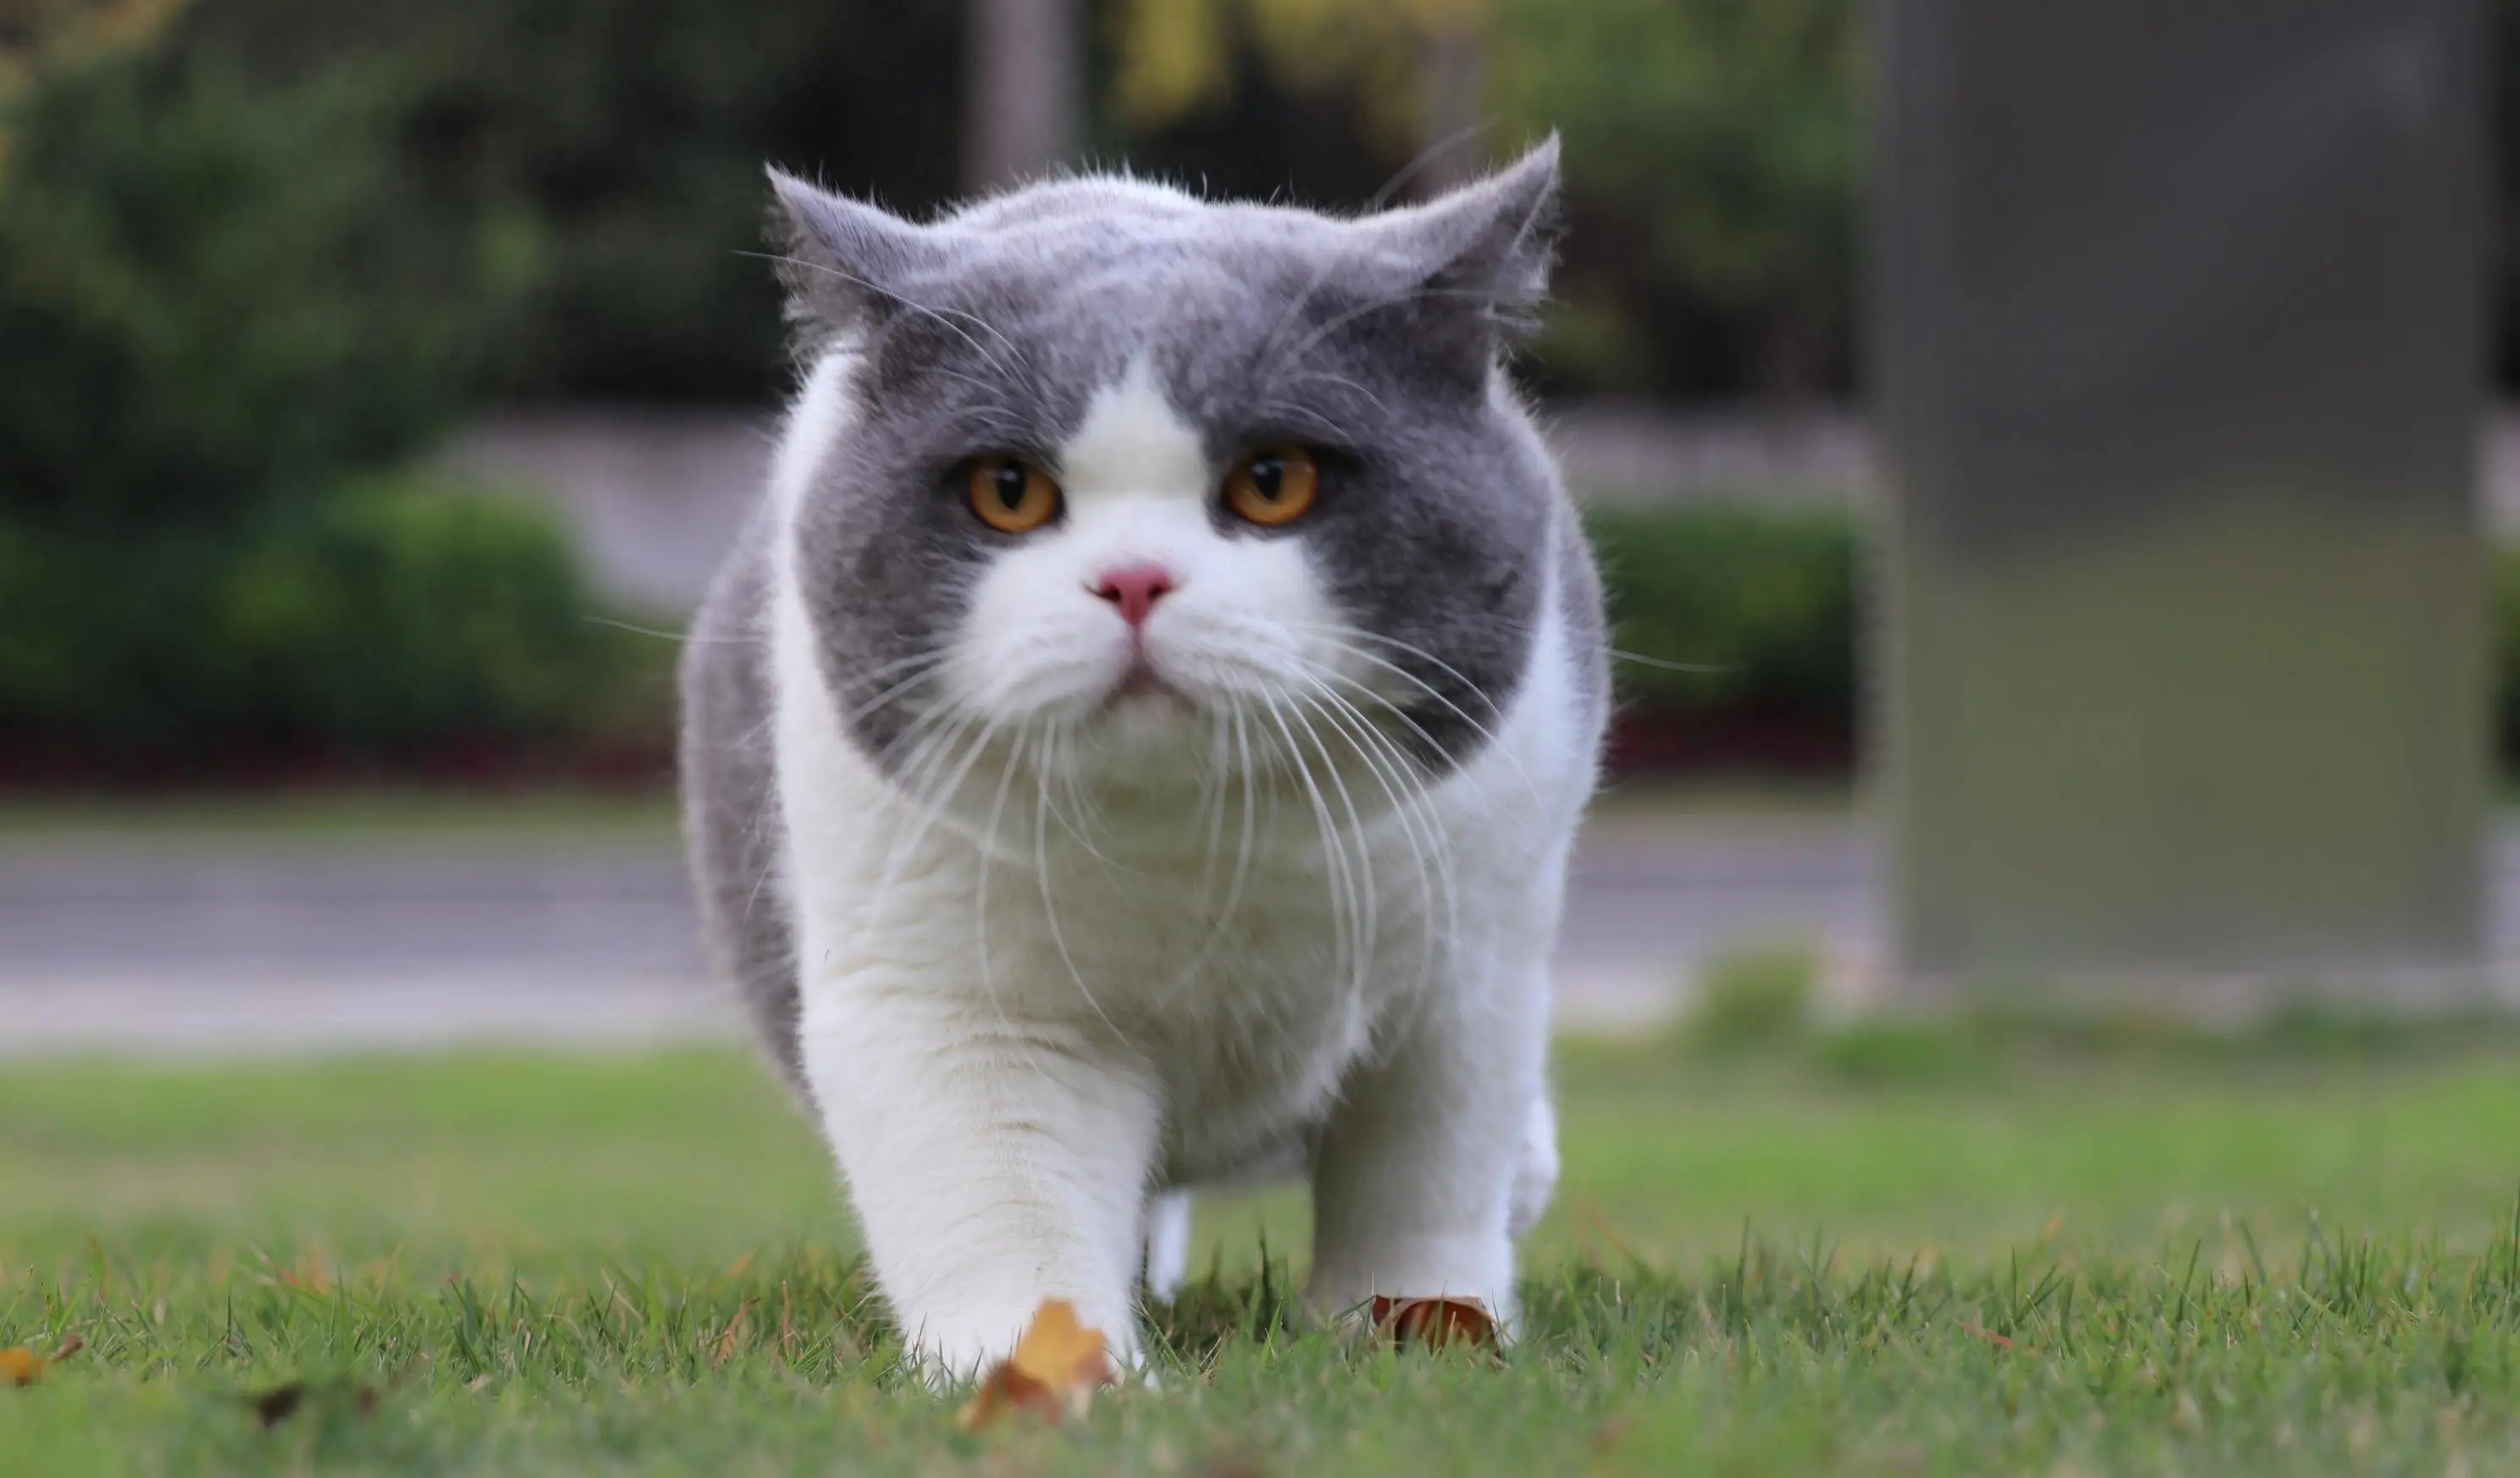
(1491, 242)
(847, 266)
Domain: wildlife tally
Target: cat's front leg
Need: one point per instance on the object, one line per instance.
(1415, 1178)
(992, 1165)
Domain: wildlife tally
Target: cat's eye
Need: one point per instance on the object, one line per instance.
(1274, 487)
(1012, 496)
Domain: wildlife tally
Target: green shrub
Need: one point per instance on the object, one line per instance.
(215, 295)
(406, 614)
(1769, 602)
(623, 145)
(389, 620)
(1715, 157)
(221, 311)
(98, 653)
(1901, 1052)
(1753, 998)
(1762, 604)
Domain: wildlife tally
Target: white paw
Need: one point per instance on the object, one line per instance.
(1167, 1244)
(955, 1343)
(1469, 1267)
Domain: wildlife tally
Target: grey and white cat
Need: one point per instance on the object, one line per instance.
(1138, 741)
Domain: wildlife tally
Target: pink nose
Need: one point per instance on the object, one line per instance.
(1135, 589)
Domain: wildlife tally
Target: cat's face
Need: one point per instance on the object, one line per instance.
(1141, 488)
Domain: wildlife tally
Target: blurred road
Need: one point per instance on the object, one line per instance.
(227, 943)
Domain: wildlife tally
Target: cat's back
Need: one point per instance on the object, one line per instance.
(730, 792)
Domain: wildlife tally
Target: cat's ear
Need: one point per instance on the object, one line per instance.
(845, 265)
(1487, 245)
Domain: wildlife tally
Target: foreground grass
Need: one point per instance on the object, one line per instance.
(553, 1265)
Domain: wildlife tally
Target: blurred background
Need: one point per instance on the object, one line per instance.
(379, 384)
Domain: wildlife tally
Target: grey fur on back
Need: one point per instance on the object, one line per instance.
(731, 797)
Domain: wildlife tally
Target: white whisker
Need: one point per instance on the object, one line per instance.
(1050, 904)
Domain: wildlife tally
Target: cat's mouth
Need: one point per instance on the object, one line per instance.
(1143, 684)
(1143, 692)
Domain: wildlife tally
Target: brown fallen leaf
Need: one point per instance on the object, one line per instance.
(21, 1366)
(1434, 1322)
(1056, 1367)
(1234, 1464)
(734, 1332)
(273, 1407)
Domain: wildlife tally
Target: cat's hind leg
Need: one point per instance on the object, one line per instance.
(1535, 1172)
(1166, 1240)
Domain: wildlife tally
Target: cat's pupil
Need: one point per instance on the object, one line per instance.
(1268, 477)
(1010, 487)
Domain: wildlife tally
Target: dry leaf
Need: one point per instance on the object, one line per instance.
(1056, 1370)
(21, 1366)
(1232, 1465)
(273, 1407)
(727, 1341)
(1434, 1322)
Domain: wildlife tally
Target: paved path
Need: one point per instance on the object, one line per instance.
(198, 943)
(202, 943)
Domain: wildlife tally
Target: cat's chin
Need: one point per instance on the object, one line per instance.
(1143, 684)
(1143, 734)
(1145, 709)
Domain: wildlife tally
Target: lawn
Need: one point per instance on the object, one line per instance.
(2273, 1258)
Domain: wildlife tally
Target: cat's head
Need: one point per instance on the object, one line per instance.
(1154, 484)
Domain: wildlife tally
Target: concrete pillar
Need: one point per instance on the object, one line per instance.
(2179, 316)
(1023, 105)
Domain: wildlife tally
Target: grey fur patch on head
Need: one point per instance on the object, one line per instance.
(1374, 342)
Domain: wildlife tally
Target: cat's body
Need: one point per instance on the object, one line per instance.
(1071, 864)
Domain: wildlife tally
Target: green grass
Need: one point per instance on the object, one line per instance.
(2295, 1256)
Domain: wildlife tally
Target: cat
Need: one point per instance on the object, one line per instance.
(1138, 739)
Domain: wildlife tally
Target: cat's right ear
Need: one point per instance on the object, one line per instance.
(846, 265)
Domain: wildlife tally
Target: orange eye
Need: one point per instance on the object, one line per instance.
(1012, 497)
(1274, 487)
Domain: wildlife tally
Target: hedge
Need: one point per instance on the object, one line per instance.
(1769, 599)
(223, 312)
(1735, 631)
(396, 622)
